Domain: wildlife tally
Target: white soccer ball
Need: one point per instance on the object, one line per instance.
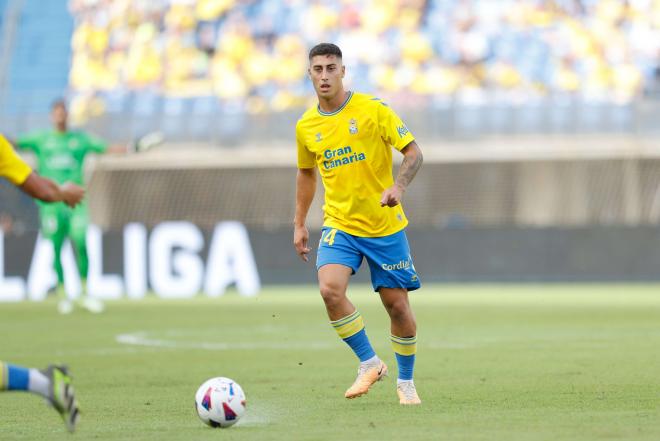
(220, 402)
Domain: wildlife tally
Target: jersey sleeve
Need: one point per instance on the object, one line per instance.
(306, 159)
(30, 141)
(12, 166)
(392, 130)
(94, 144)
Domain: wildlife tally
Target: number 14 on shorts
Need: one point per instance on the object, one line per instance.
(329, 236)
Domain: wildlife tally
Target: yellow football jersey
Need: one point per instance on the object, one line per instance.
(352, 148)
(12, 166)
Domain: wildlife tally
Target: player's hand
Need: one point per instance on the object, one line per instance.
(72, 194)
(391, 197)
(300, 242)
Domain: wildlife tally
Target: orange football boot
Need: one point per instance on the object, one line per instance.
(366, 377)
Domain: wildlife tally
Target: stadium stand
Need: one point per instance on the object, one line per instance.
(507, 51)
(40, 57)
(480, 67)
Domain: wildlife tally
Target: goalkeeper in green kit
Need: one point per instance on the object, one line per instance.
(60, 155)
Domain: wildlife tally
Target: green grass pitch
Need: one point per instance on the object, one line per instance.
(495, 362)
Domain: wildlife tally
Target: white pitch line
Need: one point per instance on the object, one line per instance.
(142, 338)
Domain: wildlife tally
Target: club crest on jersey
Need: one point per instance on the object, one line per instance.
(319, 137)
(352, 126)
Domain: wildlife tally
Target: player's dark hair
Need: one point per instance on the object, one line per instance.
(325, 49)
(59, 102)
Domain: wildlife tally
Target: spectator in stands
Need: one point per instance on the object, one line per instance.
(474, 51)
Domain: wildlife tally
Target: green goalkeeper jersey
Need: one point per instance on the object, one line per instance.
(61, 155)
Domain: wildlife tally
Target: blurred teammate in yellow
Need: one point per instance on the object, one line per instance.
(54, 382)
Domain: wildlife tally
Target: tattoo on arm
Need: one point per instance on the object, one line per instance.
(408, 169)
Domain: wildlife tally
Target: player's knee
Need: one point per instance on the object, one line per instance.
(331, 292)
(400, 311)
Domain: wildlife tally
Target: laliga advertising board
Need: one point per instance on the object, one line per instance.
(167, 260)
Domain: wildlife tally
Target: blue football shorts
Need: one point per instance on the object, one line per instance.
(388, 257)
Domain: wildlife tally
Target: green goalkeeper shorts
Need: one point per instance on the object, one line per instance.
(58, 220)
